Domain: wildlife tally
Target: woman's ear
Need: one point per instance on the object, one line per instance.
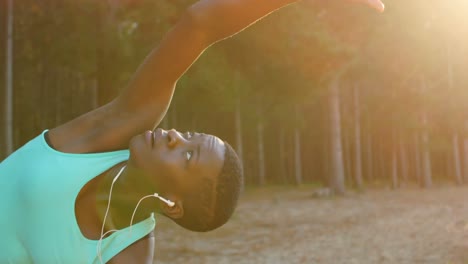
(174, 212)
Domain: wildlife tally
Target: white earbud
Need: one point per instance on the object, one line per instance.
(156, 195)
(166, 201)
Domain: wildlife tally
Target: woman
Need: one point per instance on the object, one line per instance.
(67, 189)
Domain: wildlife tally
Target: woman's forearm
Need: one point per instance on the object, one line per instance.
(223, 18)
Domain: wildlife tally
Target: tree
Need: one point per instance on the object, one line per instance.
(456, 159)
(426, 156)
(337, 178)
(357, 134)
(9, 81)
(297, 151)
(465, 152)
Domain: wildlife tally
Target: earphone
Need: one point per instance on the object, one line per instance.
(167, 201)
(155, 195)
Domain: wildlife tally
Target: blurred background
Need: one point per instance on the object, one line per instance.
(324, 92)
(323, 97)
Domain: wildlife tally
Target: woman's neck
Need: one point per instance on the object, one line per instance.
(127, 191)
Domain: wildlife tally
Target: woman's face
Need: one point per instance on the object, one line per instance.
(176, 162)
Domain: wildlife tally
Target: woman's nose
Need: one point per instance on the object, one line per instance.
(174, 138)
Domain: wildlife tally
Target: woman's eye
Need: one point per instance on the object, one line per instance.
(188, 155)
(188, 135)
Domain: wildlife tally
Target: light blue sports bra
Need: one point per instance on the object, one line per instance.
(38, 189)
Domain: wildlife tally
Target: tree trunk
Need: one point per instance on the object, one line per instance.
(357, 134)
(465, 153)
(238, 124)
(382, 161)
(465, 145)
(369, 152)
(426, 156)
(417, 159)
(297, 152)
(9, 81)
(165, 121)
(403, 161)
(94, 93)
(327, 154)
(394, 161)
(261, 154)
(347, 155)
(173, 116)
(456, 157)
(57, 80)
(239, 142)
(337, 166)
(370, 160)
(282, 156)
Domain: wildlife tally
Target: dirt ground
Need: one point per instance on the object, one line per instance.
(289, 225)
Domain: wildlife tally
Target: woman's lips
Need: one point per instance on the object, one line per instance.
(149, 137)
(153, 136)
(158, 133)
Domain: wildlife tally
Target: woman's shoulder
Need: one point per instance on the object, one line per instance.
(142, 251)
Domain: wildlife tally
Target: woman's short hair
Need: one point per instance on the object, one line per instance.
(205, 209)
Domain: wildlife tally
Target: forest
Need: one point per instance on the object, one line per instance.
(323, 92)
